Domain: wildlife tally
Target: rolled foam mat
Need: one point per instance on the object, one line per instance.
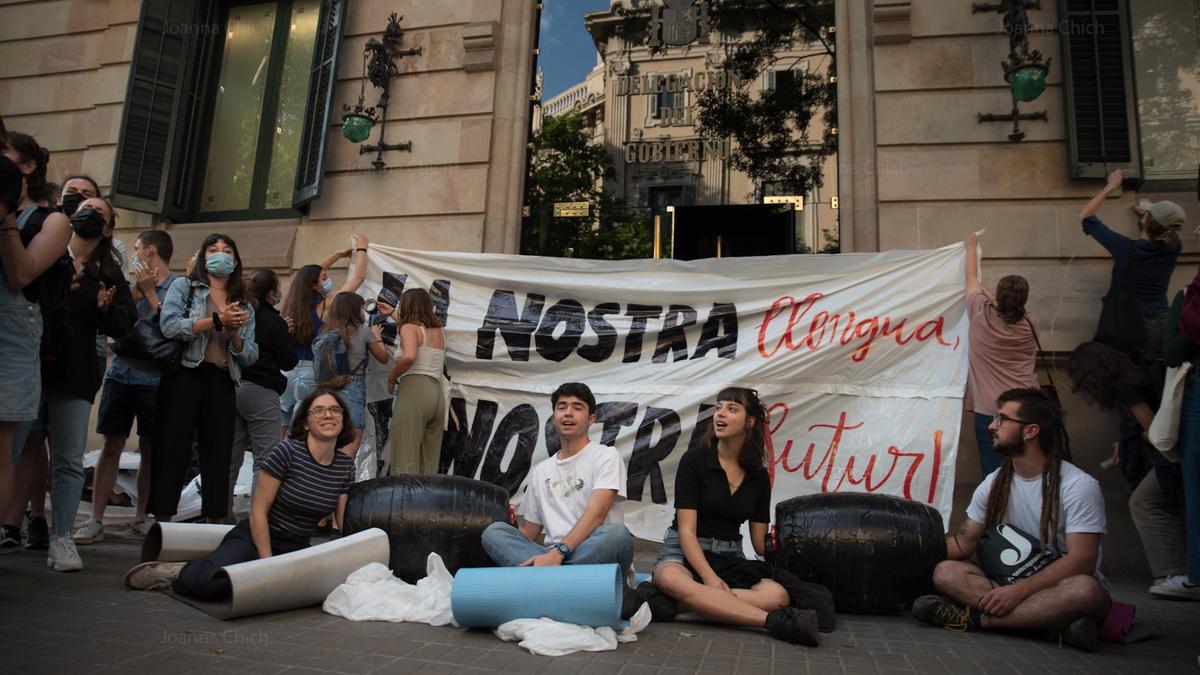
(290, 581)
(182, 542)
(588, 595)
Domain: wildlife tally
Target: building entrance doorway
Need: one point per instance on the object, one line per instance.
(728, 231)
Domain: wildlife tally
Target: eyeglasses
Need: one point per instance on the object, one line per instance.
(1001, 418)
(322, 411)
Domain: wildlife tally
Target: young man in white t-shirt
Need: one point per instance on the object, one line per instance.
(573, 498)
(1067, 595)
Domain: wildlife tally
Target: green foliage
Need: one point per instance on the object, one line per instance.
(772, 143)
(568, 167)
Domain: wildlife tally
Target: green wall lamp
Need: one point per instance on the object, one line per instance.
(379, 65)
(1025, 70)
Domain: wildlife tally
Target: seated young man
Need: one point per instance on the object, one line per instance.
(1026, 589)
(573, 498)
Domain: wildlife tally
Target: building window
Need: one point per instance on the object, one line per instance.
(782, 79)
(663, 101)
(1132, 87)
(228, 108)
(1166, 42)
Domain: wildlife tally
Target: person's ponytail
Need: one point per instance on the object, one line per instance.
(1011, 294)
(1157, 232)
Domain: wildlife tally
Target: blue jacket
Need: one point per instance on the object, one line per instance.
(176, 323)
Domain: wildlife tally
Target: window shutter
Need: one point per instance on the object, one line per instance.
(311, 161)
(1098, 75)
(164, 82)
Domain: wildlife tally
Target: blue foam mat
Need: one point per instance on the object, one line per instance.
(589, 595)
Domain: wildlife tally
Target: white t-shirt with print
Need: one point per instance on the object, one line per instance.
(1082, 506)
(559, 490)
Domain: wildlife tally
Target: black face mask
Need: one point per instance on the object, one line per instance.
(10, 183)
(87, 223)
(70, 203)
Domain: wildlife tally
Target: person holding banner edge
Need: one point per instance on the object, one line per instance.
(573, 497)
(1003, 348)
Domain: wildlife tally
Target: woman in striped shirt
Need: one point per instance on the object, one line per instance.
(302, 479)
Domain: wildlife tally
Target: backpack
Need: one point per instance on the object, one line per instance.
(51, 290)
(331, 361)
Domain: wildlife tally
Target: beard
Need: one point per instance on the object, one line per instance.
(1008, 448)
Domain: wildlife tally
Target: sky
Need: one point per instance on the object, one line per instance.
(566, 52)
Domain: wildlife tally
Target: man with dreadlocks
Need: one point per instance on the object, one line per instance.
(1035, 524)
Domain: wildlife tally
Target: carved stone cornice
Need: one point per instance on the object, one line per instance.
(893, 21)
(480, 42)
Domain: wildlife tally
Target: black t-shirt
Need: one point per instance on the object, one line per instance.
(701, 484)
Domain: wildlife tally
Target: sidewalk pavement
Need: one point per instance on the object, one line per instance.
(88, 622)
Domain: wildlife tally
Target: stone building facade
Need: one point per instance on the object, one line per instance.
(915, 169)
(463, 102)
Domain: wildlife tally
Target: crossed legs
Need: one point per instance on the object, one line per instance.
(1072, 598)
(738, 606)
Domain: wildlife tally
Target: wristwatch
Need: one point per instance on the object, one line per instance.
(564, 550)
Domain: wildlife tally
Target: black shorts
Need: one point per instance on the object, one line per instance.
(120, 403)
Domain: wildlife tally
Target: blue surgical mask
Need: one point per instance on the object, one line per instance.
(327, 286)
(219, 264)
(276, 299)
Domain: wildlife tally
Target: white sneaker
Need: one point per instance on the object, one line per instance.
(1176, 588)
(63, 556)
(152, 575)
(89, 533)
(143, 528)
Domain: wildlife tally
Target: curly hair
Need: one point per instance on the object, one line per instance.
(299, 428)
(1096, 370)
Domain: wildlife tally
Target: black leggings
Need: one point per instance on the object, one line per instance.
(194, 403)
(198, 578)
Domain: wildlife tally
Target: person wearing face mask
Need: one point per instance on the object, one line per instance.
(130, 390)
(208, 312)
(99, 302)
(256, 427)
(305, 308)
(32, 240)
(75, 189)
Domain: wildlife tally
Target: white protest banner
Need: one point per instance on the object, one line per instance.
(861, 359)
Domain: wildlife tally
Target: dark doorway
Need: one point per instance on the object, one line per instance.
(733, 231)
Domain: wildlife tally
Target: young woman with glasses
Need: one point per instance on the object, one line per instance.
(303, 479)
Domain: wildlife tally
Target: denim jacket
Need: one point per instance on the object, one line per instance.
(176, 323)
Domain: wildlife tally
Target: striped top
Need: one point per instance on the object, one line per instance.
(308, 491)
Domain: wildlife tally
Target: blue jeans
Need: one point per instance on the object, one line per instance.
(989, 459)
(65, 421)
(672, 550)
(609, 543)
(1189, 462)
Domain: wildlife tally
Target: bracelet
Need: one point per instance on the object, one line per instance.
(11, 229)
(216, 319)
(360, 249)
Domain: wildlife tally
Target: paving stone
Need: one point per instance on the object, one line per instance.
(46, 615)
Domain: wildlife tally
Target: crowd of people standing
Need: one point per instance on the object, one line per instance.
(231, 379)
